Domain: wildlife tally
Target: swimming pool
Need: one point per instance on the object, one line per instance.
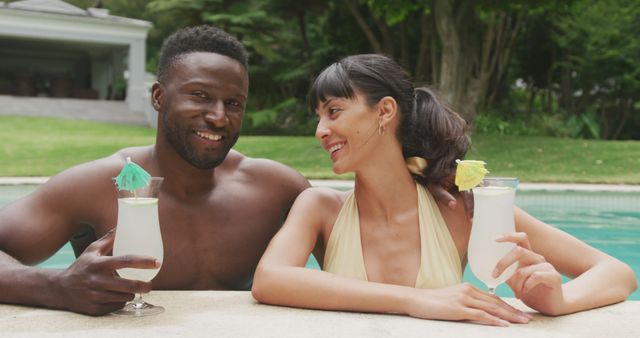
(609, 221)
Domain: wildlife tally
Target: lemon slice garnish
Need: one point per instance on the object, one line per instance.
(469, 174)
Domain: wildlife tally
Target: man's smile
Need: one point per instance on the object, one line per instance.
(208, 135)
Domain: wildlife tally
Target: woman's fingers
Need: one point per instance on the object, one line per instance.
(499, 311)
(519, 238)
(549, 278)
(527, 278)
(495, 310)
(515, 283)
(495, 306)
(519, 254)
(465, 302)
(530, 264)
(483, 317)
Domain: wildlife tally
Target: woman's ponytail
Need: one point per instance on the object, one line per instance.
(434, 132)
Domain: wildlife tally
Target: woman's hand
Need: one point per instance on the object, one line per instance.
(536, 282)
(463, 302)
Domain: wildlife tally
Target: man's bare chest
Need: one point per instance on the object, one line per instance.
(217, 247)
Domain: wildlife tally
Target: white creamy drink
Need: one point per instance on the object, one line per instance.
(138, 233)
(492, 216)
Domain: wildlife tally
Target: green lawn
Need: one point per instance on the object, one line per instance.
(42, 147)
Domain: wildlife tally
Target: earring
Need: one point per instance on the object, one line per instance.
(380, 128)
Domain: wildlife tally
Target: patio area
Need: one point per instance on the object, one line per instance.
(79, 109)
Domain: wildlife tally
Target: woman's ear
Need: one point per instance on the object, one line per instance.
(387, 110)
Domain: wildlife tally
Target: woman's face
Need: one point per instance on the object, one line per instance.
(348, 130)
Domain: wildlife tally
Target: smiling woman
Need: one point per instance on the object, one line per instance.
(388, 245)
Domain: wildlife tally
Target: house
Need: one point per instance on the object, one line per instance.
(86, 59)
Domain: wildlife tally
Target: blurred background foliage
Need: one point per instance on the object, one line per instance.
(519, 67)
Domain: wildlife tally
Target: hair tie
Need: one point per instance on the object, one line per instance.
(416, 165)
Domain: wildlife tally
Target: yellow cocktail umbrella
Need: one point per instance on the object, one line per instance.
(469, 173)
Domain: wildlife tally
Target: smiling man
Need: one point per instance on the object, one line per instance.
(218, 208)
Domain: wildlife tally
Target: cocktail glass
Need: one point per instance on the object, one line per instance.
(492, 216)
(138, 233)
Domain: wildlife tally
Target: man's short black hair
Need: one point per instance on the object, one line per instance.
(199, 39)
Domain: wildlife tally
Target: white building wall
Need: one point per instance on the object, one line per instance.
(136, 88)
(127, 33)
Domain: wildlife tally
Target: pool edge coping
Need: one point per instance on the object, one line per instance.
(346, 184)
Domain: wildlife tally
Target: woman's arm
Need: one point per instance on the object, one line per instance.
(282, 279)
(543, 250)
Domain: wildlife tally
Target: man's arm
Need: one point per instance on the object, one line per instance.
(36, 226)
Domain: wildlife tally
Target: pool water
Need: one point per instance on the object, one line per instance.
(609, 221)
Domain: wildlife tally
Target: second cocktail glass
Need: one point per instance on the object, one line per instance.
(492, 216)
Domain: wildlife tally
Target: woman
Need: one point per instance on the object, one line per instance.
(397, 250)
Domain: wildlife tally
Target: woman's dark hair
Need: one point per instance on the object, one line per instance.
(202, 38)
(427, 127)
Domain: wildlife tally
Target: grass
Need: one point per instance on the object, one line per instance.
(31, 146)
(547, 159)
(43, 146)
(300, 152)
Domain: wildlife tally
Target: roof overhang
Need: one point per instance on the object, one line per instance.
(70, 25)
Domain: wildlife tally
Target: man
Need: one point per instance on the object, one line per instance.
(218, 209)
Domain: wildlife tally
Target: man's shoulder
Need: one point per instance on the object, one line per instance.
(244, 162)
(264, 170)
(103, 168)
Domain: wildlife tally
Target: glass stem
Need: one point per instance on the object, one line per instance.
(137, 301)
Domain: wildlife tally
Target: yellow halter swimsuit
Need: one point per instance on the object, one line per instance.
(440, 264)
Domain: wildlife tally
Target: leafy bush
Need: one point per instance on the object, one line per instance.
(583, 126)
(289, 117)
(494, 123)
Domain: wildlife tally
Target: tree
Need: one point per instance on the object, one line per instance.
(469, 43)
(599, 73)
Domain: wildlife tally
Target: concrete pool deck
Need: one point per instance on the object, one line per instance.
(349, 184)
(237, 314)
